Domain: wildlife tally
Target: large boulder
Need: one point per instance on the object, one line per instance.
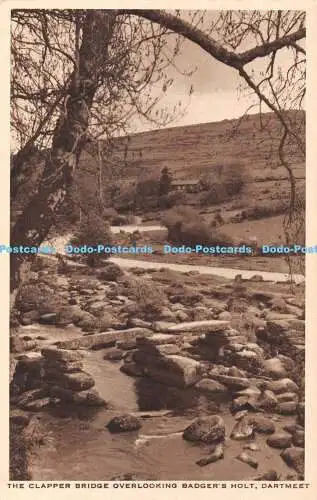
(124, 423)
(172, 370)
(294, 457)
(209, 430)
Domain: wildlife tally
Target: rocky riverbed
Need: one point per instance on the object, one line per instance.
(156, 376)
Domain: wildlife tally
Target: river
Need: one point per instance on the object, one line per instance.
(80, 448)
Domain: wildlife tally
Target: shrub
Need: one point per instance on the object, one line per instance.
(263, 210)
(149, 298)
(93, 231)
(186, 226)
(228, 180)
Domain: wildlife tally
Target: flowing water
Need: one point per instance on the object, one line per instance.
(79, 446)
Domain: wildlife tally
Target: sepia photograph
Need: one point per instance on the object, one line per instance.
(157, 245)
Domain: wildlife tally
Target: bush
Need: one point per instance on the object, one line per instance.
(92, 232)
(227, 181)
(263, 210)
(186, 226)
(149, 298)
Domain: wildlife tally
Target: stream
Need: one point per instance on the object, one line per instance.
(78, 445)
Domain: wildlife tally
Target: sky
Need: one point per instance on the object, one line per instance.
(216, 96)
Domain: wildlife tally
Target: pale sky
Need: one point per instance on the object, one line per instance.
(216, 96)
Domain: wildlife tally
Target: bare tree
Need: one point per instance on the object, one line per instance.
(80, 74)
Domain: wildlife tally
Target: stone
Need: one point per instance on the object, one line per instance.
(283, 385)
(280, 440)
(124, 423)
(287, 408)
(100, 340)
(274, 368)
(247, 459)
(267, 400)
(211, 386)
(225, 316)
(171, 370)
(30, 396)
(38, 404)
(206, 326)
(299, 438)
(132, 369)
(233, 383)
(216, 454)
(89, 398)
(79, 381)
(126, 345)
(243, 429)
(19, 418)
(251, 446)
(56, 367)
(301, 413)
(209, 430)
(287, 397)
(113, 354)
(61, 355)
(270, 475)
(48, 319)
(181, 316)
(262, 425)
(294, 457)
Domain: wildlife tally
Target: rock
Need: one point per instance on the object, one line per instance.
(181, 316)
(100, 340)
(211, 386)
(247, 459)
(200, 326)
(274, 368)
(267, 400)
(124, 423)
(48, 319)
(262, 424)
(56, 367)
(79, 381)
(29, 396)
(61, 355)
(172, 370)
(270, 475)
(137, 322)
(243, 429)
(251, 446)
(38, 404)
(301, 414)
(225, 316)
(287, 408)
(287, 397)
(280, 440)
(299, 438)
(233, 383)
(89, 398)
(131, 369)
(209, 430)
(19, 418)
(251, 392)
(126, 345)
(282, 385)
(30, 317)
(294, 457)
(18, 345)
(240, 415)
(113, 354)
(216, 454)
(240, 404)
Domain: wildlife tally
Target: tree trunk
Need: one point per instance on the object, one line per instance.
(68, 141)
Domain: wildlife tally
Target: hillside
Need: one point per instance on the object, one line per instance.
(190, 151)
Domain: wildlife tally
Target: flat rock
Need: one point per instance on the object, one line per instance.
(294, 457)
(211, 386)
(205, 326)
(282, 385)
(104, 339)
